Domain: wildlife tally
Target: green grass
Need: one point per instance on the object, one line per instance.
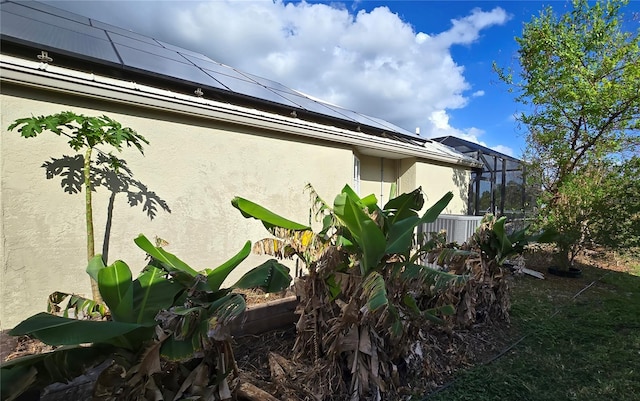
(585, 349)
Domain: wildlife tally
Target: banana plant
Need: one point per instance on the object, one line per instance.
(183, 311)
(363, 269)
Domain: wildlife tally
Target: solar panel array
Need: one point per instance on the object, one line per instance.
(47, 28)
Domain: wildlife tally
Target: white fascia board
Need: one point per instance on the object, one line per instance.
(53, 78)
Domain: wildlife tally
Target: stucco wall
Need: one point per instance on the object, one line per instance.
(377, 176)
(196, 166)
(436, 180)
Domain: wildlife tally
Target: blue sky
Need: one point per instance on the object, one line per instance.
(418, 64)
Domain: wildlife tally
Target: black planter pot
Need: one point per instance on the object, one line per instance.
(573, 272)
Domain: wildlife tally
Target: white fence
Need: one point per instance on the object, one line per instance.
(459, 228)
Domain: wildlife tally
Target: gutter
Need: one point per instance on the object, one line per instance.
(63, 80)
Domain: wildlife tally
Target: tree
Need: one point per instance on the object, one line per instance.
(579, 78)
(84, 133)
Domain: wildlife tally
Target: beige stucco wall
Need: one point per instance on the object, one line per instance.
(411, 173)
(197, 166)
(436, 180)
(377, 175)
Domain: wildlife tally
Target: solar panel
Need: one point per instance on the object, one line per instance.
(251, 89)
(313, 106)
(183, 51)
(55, 11)
(53, 20)
(53, 38)
(269, 83)
(158, 65)
(47, 28)
(123, 32)
(212, 66)
(146, 47)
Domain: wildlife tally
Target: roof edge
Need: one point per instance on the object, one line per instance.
(64, 80)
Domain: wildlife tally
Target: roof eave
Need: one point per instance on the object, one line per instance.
(44, 76)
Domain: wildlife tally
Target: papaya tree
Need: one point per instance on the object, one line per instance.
(87, 134)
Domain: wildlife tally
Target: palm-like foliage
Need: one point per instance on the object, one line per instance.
(364, 293)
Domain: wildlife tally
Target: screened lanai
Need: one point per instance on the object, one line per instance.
(498, 187)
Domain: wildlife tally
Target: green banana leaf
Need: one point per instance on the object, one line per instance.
(116, 289)
(404, 206)
(364, 231)
(56, 330)
(95, 265)
(153, 292)
(400, 234)
(216, 277)
(169, 261)
(270, 276)
(269, 219)
(369, 201)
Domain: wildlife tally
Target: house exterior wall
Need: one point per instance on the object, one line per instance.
(195, 165)
(377, 176)
(436, 180)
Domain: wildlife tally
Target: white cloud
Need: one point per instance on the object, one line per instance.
(478, 93)
(372, 62)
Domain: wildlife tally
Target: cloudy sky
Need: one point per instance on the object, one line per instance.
(418, 64)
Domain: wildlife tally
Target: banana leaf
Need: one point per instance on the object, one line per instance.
(364, 231)
(168, 261)
(404, 206)
(95, 265)
(437, 279)
(269, 219)
(400, 234)
(216, 277)
(37, 371)
(116, 289)
(370, 201)
(56, 330)
(375, 291)
(153, 292)
(270, 276)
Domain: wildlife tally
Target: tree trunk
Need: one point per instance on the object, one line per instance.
(95, 291)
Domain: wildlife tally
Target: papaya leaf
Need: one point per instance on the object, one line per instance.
(269, 219)
(216, 277)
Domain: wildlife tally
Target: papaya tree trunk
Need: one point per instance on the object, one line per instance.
(95, 291)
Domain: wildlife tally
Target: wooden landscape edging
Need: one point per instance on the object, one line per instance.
(267, 316)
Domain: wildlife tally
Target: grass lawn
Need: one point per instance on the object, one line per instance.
(584, 347)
